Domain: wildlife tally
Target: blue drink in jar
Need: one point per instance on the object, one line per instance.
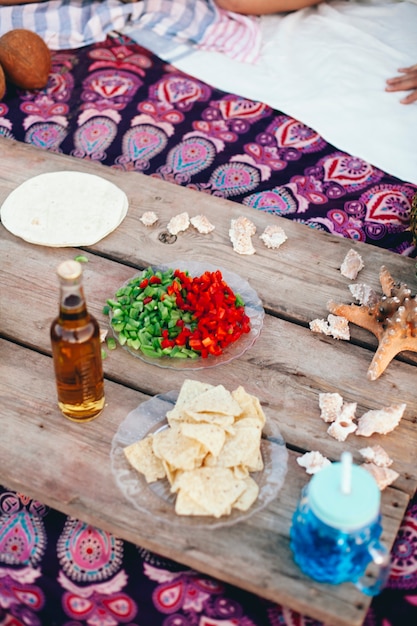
(336, 528)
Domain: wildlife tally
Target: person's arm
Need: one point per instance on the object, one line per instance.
(406, 82)
(264, 7)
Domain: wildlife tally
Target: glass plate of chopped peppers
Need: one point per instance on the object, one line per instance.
(186, 315)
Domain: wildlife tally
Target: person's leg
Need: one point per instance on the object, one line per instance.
(264, 7)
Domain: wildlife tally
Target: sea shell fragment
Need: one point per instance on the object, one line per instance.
(344, 424)
(320, 326)
(381, 421)
(336, 326)
(352, 264)
(330, 406)
(178, 223)
(364, 294)
(313, 461)
(339, 327)
(273, 236)
(377, 455)
(241, 231)
(384, 476)
(149, 218)
(202, 224)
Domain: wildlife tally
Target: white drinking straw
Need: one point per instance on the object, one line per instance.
(346, 459)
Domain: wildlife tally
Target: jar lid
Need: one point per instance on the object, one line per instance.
(344, 510)
(69, 270)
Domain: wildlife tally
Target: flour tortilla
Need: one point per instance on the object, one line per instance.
(64, 209)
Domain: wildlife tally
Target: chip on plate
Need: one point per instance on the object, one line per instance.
(216, 489)
(210, 436)
(179, 451)
(141, 456)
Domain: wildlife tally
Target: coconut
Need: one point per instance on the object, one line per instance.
(2, 83)
(25, 58)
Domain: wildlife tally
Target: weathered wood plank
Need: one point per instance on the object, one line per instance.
(287, 367)
(68, 467)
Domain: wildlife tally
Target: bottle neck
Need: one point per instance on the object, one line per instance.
(72, 305)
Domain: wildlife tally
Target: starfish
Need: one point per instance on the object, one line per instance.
(391, 317)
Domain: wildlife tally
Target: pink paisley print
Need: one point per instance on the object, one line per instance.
(88, 554)
(388, 203)
(291, 133)
(180, 91)
(349, 172)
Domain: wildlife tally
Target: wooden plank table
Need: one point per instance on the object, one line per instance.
(67, 465)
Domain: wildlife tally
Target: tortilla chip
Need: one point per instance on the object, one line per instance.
(179, 451)
(189, 390)
(169, 471)
(216, 400)
(211, 436)
(239, 449)
(141, 456)
(259, 464)
(240, 471)
(251, 407)
(184, 505)
(248, 422)
(209, 418)
(215, 489)
(248, 497)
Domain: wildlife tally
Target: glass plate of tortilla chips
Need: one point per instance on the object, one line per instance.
(180, 495)
(253, 309)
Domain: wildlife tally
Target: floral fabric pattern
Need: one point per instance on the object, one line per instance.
(80, 575)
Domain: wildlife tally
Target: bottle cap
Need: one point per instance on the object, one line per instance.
(344, 496)
(69, 270)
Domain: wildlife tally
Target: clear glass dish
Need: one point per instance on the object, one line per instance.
(156, 498)
(253, 308)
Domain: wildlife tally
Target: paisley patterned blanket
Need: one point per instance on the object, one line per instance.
(116, 103)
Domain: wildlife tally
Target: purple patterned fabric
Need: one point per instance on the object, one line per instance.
(58, 571)
(118, 104)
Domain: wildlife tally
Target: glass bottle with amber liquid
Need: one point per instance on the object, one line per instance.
(76, 349)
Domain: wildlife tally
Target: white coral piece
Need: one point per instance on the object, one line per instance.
(178, 223)
(377, 455)
(364, 294)
(240, 233)
(383, 475)
(149, 218)
(320, 326)
(330, 406)
(380, 421)
(202, 224)
(273, 236)
(352, 264)
(339, 327)
(335, 326)
(344, 424)
(313, 461)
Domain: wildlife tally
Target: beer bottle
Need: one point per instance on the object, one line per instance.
(76, 349)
